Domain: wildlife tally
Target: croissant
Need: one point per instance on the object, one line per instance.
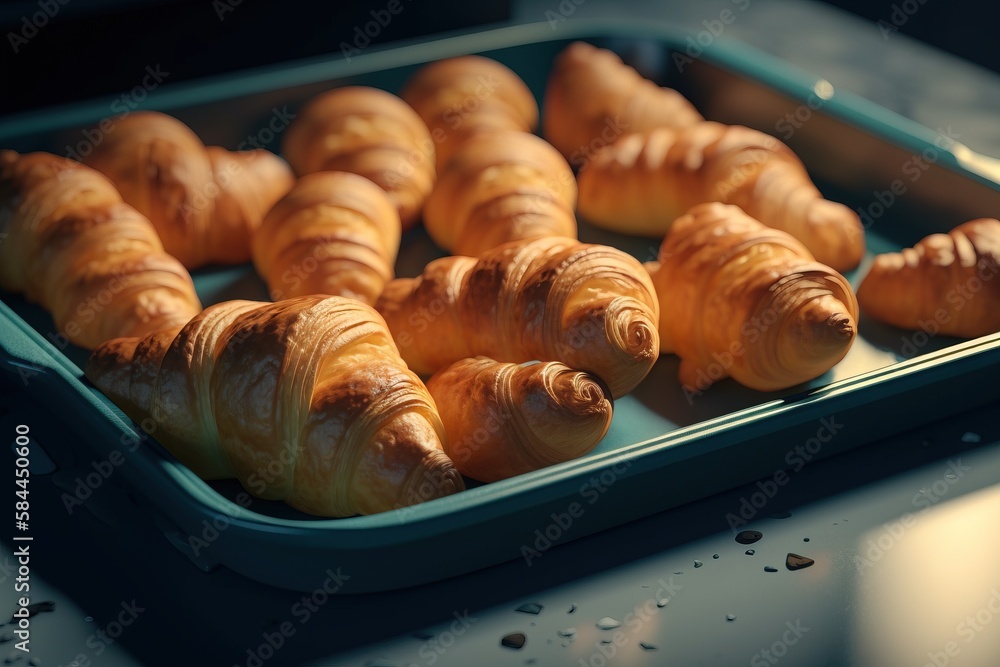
(205, 203)
(944, 284)
(641, 183)
(305, 400)
(369, 132)
(506, 419)
(740, 299)
(498, 187)
(334, 233)
(591, 307)
(94, 263)
(459, 97)
(592, 97)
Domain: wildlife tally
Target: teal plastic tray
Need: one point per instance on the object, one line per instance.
(664, 448)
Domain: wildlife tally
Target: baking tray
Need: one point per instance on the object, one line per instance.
(664, 448)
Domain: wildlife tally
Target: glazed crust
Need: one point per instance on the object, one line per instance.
(505, 419)
(946, 283)
(369, 132)
(305, 400)
(740, 299)
(641, 183)
(335, 233)
(460, 97)
(501, 186)
(205, 202)
(589, 306)
(93, 262)
(592, 97)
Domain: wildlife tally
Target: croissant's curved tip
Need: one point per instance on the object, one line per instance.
(436, 478)
(840, 327)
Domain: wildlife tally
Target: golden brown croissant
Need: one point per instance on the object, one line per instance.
(592, 97)
(459, 97)
(334, 233)
(640, 184)
(369, 132)
(498, 187)
(744, 300)
(305, 400)
(946, 283)
(95, 263)
(506, 419)
(205, 203)
(591, 307)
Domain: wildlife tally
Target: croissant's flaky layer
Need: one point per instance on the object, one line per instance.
(369, 132)
(460, 97)
(335, 233)
(744, 300)
(947, 283)
(305, 400)
(642, 182)
(589, 306)
(592, 97)
(93, 262)
(205, 202)
(505, 419)
(501, 186)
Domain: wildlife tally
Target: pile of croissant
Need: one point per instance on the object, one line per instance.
(354, 391)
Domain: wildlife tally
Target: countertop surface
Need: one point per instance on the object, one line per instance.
(900, 559)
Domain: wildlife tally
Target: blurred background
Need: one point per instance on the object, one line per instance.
(62, 50)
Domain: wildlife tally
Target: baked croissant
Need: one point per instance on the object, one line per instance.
(459, 97)
(506, 419)
(93, 262)
(945, 284)
(641, 183)
(334, 233)
(591, 307)
(740, 299)
(592, 97)
(369, 132)
(498, 187)
(205, 202)
(305, 400)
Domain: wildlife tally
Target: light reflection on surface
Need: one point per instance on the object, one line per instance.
(929, 585)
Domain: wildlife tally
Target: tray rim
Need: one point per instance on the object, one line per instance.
(25, 346)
